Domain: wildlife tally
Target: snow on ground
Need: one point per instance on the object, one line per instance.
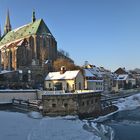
(129, 103)
(59, 128)
(15, 126)
(31, 126)
(71, 128)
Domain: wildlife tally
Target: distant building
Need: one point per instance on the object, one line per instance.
(103, 76)
(92, 80)
(123, 80)
(120, 71)
(65, 80)
(108, 79)
(136, 75)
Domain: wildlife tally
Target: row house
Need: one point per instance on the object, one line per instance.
(102, 74)
(92, 81)
(123, 80)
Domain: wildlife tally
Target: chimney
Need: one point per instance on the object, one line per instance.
(63, 70)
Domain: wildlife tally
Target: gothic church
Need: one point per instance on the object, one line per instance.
(29, 47)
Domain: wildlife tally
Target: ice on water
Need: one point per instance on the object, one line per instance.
(32, 126)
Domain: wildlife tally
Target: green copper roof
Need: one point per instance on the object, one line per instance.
(21, 32)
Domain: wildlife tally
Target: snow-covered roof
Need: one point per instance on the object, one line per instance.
(92, 72)
(122, 77)
(88, 73)
(65, 76)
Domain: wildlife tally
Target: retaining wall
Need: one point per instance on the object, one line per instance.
(6, 96)
(82, 104)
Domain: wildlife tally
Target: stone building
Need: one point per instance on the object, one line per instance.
(82, 104)
(30, 48)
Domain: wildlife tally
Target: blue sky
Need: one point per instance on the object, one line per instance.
(103, 32)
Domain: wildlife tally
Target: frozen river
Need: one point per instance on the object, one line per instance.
(31, 126)
(122, 125)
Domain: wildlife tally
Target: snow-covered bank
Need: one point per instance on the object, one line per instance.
(128, 103)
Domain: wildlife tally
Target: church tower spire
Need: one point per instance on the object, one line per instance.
(7, 26)
(33, 16)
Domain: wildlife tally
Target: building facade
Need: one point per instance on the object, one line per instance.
(124, 80)
(65, 80)
(92, 80)
(31, 47)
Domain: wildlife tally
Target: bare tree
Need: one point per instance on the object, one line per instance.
(64, 62)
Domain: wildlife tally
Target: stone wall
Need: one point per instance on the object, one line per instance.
(82, 104)
(6, 96)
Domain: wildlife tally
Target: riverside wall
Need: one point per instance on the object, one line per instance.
(6, 96)
(82, 104)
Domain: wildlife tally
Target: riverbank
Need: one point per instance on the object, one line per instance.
(107, 104)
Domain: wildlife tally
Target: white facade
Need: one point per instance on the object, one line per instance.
(93, 81)
(67, 81)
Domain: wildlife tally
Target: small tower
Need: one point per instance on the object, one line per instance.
(33, 16)
(7, 26)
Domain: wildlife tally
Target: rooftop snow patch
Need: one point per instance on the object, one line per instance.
(64, 76)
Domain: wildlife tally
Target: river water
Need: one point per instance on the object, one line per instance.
(121, 125)
(126, 124)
